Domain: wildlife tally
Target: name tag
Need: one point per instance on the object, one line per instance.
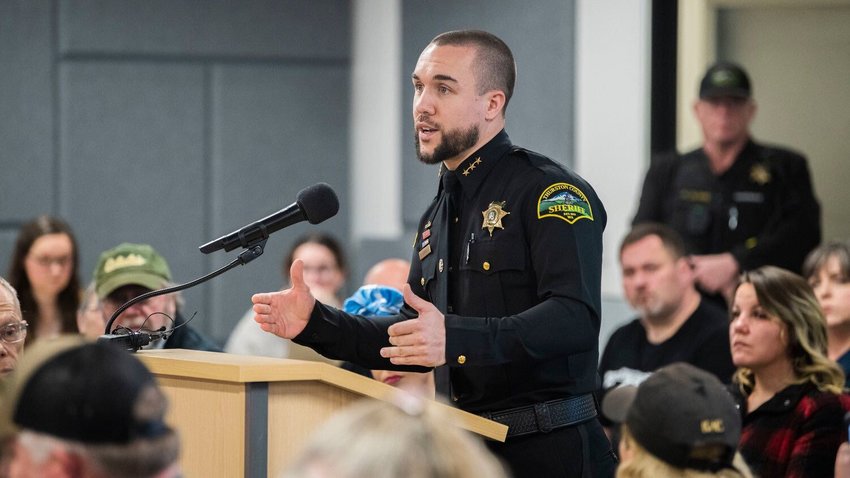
(748, 197)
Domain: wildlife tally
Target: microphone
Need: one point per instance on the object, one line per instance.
(133, 340)
(315, 204)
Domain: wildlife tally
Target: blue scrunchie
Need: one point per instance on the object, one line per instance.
(374, 300)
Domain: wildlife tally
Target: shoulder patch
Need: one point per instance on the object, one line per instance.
(564, 201)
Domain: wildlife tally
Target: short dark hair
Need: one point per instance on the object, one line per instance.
(494, 65)
(817, 259)
(671, 239)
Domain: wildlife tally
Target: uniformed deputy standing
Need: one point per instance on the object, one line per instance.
(504, 290)
(737, 204)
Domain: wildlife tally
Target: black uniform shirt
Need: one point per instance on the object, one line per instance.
(524, 273)
(762, 210)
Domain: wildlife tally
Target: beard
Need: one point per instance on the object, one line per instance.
(454, 142)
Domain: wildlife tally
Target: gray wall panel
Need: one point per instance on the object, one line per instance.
(540, 113)
(318, 29)
(133, 154)
(276, 130)
(26, 103)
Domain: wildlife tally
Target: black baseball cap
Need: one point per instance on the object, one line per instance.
(725, 79)
(680, 414)
(86, 392)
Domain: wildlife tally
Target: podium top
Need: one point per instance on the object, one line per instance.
(246, 369)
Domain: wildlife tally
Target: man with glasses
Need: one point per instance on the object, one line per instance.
(13, 329)
(130, 270)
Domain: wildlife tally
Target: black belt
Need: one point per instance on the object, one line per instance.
(545, 417)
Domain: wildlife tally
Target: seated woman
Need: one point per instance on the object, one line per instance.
(788, 391)
(827, 269)
(44, 271)
(13, 329)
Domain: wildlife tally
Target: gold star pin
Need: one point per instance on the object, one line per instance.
(472, 166)
(493, 216)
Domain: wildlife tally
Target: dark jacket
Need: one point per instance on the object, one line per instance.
(795, 434)
(185, 337)
(763, 209)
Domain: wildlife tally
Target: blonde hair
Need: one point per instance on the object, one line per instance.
(643, 464)
(375, 439)
(790, 299)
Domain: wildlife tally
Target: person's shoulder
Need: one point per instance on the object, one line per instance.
(816, 402)
(780, 154)
(711, 315)
(633, 328)
(541, 171)
(533, 161)
(187, 337)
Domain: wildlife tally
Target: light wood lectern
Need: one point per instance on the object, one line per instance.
(248, 416)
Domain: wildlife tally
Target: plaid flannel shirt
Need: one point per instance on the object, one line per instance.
(794, 434)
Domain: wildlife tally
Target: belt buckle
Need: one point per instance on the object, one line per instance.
(543, 417)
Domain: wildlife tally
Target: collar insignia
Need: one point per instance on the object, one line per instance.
(493, 216)
(472, 166)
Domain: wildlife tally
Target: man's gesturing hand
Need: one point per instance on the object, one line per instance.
(285, 313)
(419, 341)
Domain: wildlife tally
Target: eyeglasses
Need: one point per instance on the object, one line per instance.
(13, 333)
(320, 270)
(47, 261)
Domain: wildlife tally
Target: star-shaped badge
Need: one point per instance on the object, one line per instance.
(493, 216)
(760, 175)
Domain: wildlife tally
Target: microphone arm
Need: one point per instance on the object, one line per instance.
(252, 252)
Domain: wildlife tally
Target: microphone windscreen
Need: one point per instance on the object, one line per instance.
(319, 202)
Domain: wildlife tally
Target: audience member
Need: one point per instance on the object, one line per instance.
(827, 269)
(674, 324)
(87, 410)
(44, 271)
(381, 296)
(13, 329)
(788, 391)
(130, 270)
(680, 422)
(410, 439)
(737, 204)
(325, 270)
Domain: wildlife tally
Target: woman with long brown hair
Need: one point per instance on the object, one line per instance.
(44, 271)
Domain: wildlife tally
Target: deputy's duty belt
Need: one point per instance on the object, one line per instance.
(546, 416)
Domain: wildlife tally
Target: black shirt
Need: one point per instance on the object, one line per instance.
(762, 210)
(702, 341)
(524, 272)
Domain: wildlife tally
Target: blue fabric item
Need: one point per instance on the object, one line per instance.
(374, 300)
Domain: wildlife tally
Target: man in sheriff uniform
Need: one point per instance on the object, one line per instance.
(737, 204)
(504, 290)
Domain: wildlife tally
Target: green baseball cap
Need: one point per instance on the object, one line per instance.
(126, 264)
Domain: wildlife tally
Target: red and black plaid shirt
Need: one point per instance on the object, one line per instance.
(794, 434)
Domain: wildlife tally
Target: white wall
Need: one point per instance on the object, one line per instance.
(612, 123)
(375, 129)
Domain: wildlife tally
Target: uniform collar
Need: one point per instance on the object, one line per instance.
(474, 170)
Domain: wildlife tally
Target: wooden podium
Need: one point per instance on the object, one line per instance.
(249, 416)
